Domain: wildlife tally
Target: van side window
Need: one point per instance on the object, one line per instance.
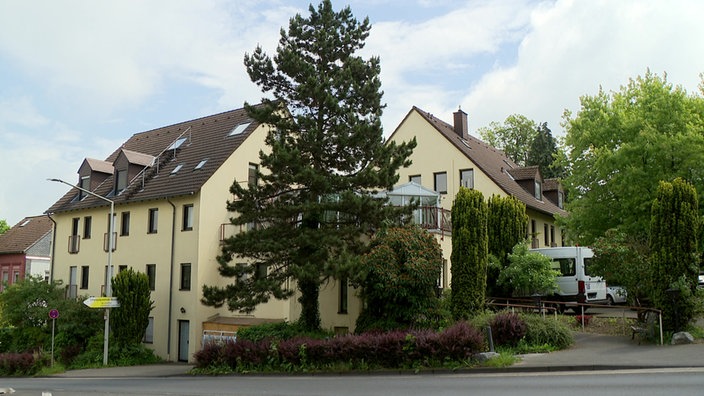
(565, 266)
(587, 264)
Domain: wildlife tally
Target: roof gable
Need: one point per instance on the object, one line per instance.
(94, 165)
(525, 173)
(133, 157)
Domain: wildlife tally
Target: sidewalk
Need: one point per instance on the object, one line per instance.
(601, 352)
(151, 370)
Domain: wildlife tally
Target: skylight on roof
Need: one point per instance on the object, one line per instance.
(25, 223)
(177, 143)
(200, 164)
(177, 168)
(239, 129)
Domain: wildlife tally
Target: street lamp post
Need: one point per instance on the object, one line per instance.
(108, 285)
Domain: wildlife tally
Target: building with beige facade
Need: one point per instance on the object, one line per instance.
(170, 187)
(448, 157)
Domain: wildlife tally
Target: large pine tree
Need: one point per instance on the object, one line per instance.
(316, 197)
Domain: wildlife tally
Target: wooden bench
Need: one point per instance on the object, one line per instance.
(645, 327)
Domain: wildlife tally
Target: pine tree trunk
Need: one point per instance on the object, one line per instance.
(310, 313)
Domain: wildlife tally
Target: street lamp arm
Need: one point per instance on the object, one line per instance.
(83, 189)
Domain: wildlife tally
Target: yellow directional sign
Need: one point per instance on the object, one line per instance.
(102, 302)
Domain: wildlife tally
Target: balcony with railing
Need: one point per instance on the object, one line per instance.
(433, 218)
(106, 242)
(428, 214)
(74, 243)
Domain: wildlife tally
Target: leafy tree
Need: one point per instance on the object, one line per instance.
(514, 137)
(3, 226)
(316, 200)
(506, 225)
(130, 320)
(24, 309)
(27, 303)
(674, 249)
(399, 281)
(543, 151)
(623, 260)
(529, 273)
(470, 251)
(620, 145)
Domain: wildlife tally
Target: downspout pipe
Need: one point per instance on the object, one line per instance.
(171, 276)
(53, 248)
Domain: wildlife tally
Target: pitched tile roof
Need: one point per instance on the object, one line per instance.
(494, 163)
(25, 234)
(204, 138)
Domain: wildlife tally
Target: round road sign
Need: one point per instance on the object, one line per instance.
(54, 313)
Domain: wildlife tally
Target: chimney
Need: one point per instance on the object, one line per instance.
(461, 127)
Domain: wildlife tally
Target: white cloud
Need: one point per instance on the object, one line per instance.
(428, 64)
(103, 55)
(575, 46)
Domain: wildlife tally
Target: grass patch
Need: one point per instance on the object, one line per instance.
(58, 368)
(506, 358)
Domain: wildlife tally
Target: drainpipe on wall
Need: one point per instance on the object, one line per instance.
(171, 275)
(53, 248)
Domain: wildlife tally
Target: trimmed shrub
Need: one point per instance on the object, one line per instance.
(382, 350)
(507, 328)
(19, 364)
(460, 341)
(278, 331)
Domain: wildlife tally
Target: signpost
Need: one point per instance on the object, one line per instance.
(53, 314)
(101, 302)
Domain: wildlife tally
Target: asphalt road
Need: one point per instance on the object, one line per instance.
(673, 382)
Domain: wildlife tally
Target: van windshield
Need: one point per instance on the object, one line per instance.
(564, 265)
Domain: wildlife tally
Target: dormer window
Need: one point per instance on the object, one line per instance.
(538, 190)
(84, 184)
(120, 181)
(560, 199)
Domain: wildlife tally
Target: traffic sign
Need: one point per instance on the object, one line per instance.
(54, 314)
(102, 302)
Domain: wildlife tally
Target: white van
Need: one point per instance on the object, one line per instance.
(575, 284)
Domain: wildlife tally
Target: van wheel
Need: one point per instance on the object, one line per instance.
(609, 300)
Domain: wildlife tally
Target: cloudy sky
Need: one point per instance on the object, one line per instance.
(78, 78)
